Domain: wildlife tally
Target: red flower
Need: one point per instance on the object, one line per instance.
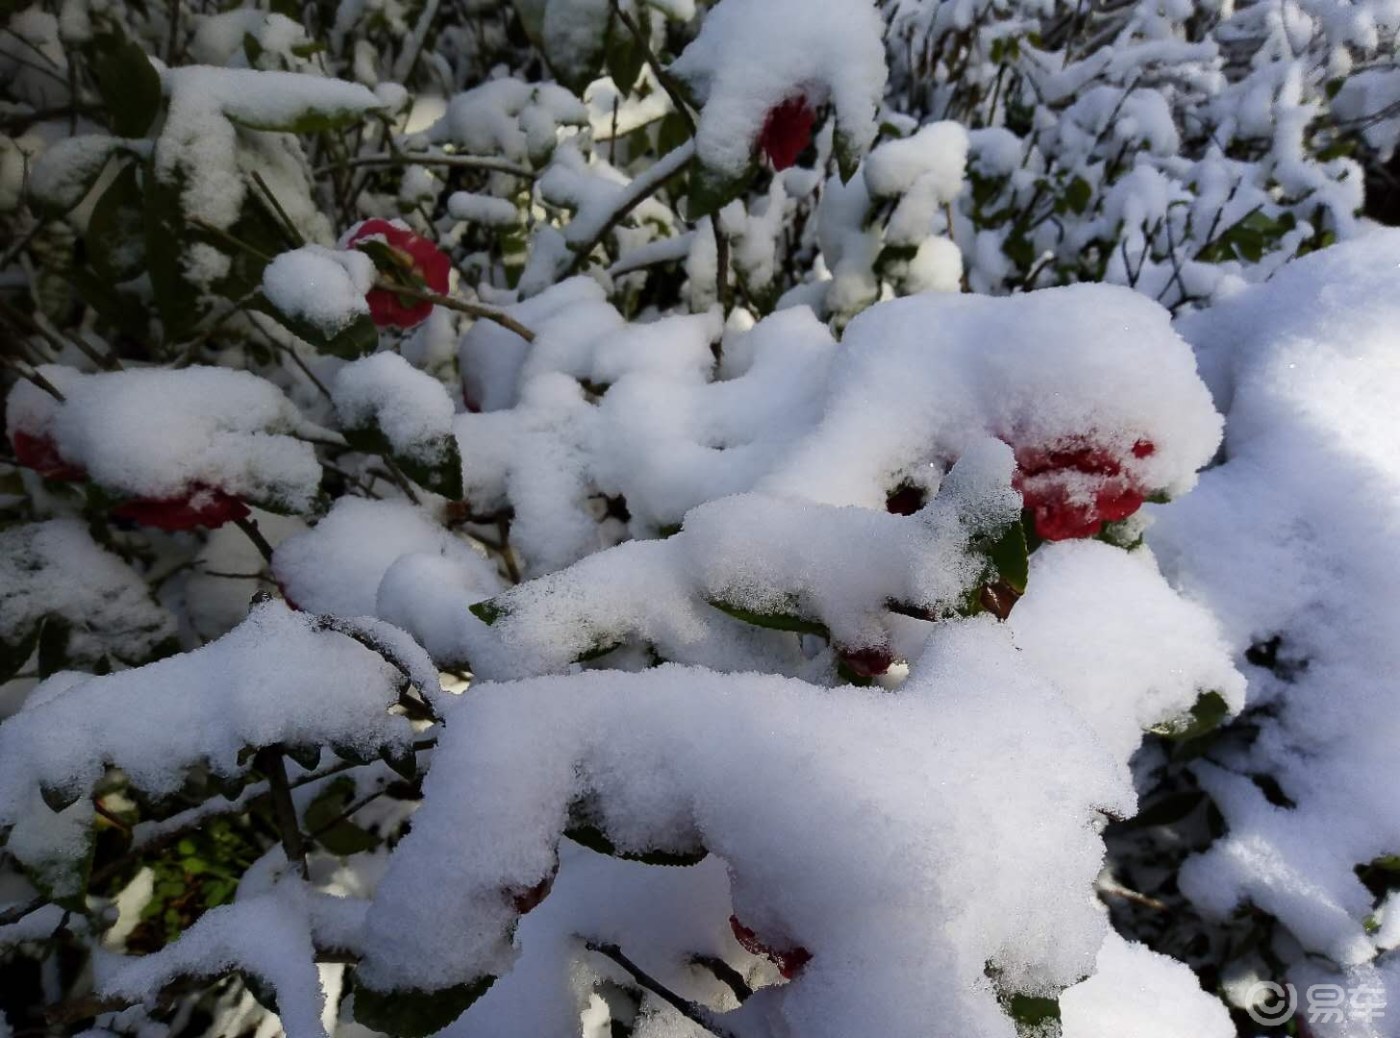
(202, 506)
(1074, 488)
(41, 454)
(788, 961)
(868, 663)
(422, 265)
(787, 131)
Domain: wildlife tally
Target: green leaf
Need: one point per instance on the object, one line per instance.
(404, 762)
(1033, 1010)
(488, 612)
(412, 1012)
(60, 798)
(1008, 553)
(116, 247)
(357, 339)
(338, 835)
(128, 82)
(264, 994)
(68, 171)
(671, 133)
(848, 153)
(594, 839)
(598, 651)
(624, 58)
(573, 39)
(1078, 195)
(441, 473)
(1167, 810)
(307, 756)
(166, 243)
(308, 120)
(711, 190)
(14, 654)
(53, 646)
(772, 621)
(123, 312)
(1209, 711)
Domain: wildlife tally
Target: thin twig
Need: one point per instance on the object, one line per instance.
(249, 526)
(269, 761)
(288, 229)
(638, 191)
(487, 313)
(27, 371)
(695, 1013)
(414, 159)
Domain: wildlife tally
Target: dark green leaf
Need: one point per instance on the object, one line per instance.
(404, 762)
(60, 798)
(1033, 1010)
(711, 190)
(772, 621)
(116, 247)
(624, 57)
(307, 756)
(166, 243)
(1205, 716)
(128, 82)
(53, 646)
(413, 1013)
(1078, 194)
(594, 839)
(15, 654)
(671, 133)
(357, 339)
(1008, 553)
(488, 612)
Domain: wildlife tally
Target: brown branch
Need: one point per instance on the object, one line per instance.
(487, 313)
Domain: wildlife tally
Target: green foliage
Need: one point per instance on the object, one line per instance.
(413, 1013)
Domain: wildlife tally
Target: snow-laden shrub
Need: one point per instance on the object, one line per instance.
(566, 517)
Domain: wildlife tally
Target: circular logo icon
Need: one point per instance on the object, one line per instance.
(1269, 1004)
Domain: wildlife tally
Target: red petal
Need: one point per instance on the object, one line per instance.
(786, 132)
(788, 961)
(203, 506)
(387, 309)
(41, 454)
(868, 663)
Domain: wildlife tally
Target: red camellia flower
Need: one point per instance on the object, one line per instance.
(869, 662)
(1073, 488)
(787, 131)
(40, 454)
(202, 506)
(788, 961)
(422, 264)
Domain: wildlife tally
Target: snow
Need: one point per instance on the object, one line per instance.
(54, 569)
(266, 935)
(1287, 538)
(917, 377)
(323, 286)
(483, 209)
(336, 567)
(937, 151)
(752, 55)
(277, 678)
(160, 433)
(1136, 991)
(1123, 646)
(896, 783)
(508, 118)
(202, 153)
(387, 393)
